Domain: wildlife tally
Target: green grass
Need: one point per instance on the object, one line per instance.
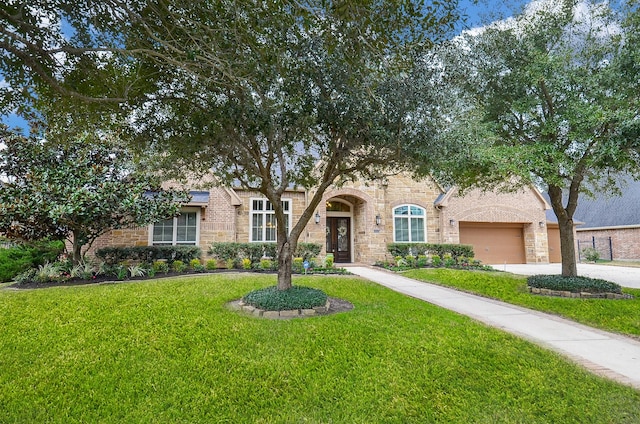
(621, 316)
(169, 351)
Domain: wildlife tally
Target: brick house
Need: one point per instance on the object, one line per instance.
(358, 220)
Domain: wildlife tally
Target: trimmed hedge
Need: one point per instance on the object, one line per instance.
(427, 249)
(148, 254)
(297, 297)
(256, 251)
(573, 284)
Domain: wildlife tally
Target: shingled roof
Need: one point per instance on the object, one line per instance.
(607, 210)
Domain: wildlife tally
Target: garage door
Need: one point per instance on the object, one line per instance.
(553, 239)
(494, 243)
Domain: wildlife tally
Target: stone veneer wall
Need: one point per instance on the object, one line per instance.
(243, 220)
(625, 242)
(217, 223)
(379, 198)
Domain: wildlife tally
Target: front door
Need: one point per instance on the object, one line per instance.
(339, 238)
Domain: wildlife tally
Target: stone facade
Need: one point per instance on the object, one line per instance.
(369, 206)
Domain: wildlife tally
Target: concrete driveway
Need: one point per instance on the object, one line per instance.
(625, 276)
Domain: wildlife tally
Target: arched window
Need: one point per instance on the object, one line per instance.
(409, 224)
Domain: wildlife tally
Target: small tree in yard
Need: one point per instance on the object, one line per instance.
(76, 190)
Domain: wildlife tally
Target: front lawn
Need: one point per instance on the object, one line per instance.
(620, 316)
(169, 351)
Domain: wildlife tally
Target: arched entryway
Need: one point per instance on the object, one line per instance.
(339, 229)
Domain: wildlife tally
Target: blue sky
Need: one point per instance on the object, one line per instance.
(478, 12)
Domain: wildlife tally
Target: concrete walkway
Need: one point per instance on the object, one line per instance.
(610, 355)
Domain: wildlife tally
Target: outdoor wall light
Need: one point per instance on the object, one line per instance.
(317, 217)
(452, 222)
(541, 224)
(378, 219)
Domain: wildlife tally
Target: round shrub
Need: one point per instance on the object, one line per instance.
(573, 284)
(297, 297)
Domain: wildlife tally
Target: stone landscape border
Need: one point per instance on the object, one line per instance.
(578, 295)
(239, 305)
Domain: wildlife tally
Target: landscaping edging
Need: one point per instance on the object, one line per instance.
(578, 295)
(332, 306)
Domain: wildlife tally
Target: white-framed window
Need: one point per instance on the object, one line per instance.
(262, 220)
(409, 223)
(183, 229)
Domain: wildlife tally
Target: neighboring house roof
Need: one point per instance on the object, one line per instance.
(607, 210)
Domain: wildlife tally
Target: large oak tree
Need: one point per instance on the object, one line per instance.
(268, 95)
(549, 97)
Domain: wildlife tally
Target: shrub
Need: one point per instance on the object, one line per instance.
(18, 259)
(590, 254)
(230, 263)
(573, 284)
(297, 297)
(196, 265)
(410, 260)
(256, 251)
(84, 270)
(160, 266)
(25, 277)
(455, 250)
(115, 255)
(448, 260)
(225, 250)
(271, 251)
(266, 264)
(137, 271)
(436, 260)
(328, 261)
(297, 265)
(49, 272)
(13, 262)
(119, 271)
(178, 266)
(307, 251)
(422, 261)
(151, 272)
(211, 265)
(251, 251)
(246, 263)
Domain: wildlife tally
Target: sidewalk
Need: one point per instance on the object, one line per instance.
(610, 355)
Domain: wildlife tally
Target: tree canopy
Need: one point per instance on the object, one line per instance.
(76, 190)
(549, 97)
(268, 95)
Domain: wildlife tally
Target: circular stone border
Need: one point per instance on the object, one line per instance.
(578, 295)
(333, 305)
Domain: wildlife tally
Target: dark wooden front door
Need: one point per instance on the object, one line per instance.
(339, 238)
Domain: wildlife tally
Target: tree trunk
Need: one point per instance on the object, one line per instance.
(567, 248)
(76, 256)
(285, 262)
(565, 224)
